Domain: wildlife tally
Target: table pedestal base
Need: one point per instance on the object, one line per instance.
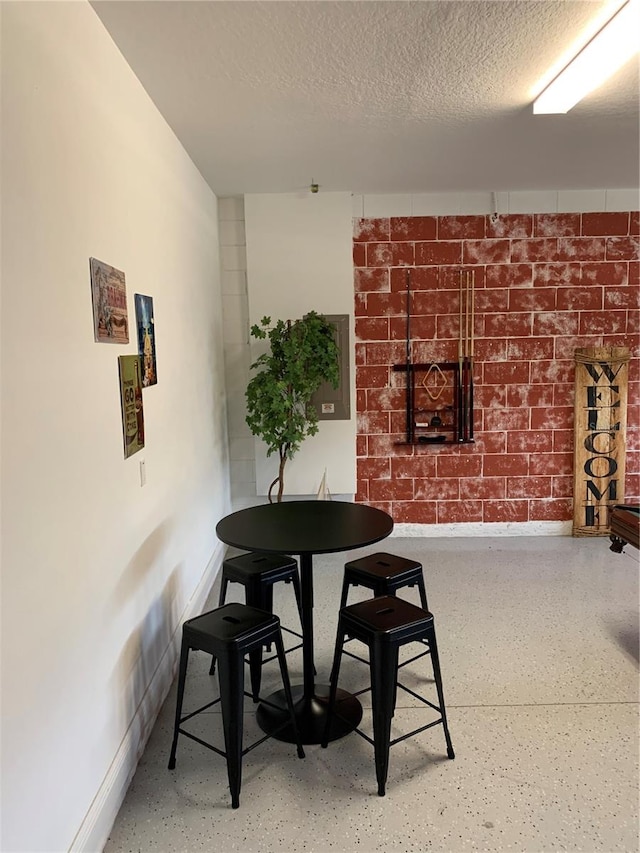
(311, 714)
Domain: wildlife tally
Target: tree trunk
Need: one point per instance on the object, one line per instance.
(280, 478)
(283, 459)
(271, 489)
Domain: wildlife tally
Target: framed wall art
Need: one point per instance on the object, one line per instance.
(146, 338)
(109, 294)
(131, 400)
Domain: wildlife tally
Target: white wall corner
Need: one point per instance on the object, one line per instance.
(231, 208)
(233, 258)
(235, 313)
(232, 233)
(233, 281)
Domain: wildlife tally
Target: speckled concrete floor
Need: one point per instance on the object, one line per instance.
(538, 641)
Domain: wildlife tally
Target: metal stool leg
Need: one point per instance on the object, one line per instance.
(256, 596)
(223, 590)
(287, 691)
(423, 593)
(384, 672)
(231, 675)
(333, 688)
(184, 658)
(345, 593)
(295, 580)
(435, 660)
(267, 604)
(343, 603)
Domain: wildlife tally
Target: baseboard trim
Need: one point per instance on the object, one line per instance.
(479, 528)
(98, 822)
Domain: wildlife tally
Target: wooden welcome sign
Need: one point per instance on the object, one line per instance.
(600, 433)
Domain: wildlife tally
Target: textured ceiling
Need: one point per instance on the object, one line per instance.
(379, 97)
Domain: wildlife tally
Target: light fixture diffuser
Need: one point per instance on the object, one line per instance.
(608, 50)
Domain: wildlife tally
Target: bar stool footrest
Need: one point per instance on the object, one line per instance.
(416, 731)
(247, 749)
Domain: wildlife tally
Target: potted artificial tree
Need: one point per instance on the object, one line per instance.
(303, 354)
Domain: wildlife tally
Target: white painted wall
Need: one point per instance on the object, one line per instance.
(97, 572)
(299, 259)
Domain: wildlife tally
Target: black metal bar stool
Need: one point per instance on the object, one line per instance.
(228, 633)
(384, 625)
(384, 574)
(258, 573)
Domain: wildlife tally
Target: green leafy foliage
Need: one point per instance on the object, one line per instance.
(303, 354)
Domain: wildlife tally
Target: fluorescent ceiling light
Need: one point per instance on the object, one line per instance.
(607, 51)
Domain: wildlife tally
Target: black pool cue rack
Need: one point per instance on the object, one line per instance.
(430, 421)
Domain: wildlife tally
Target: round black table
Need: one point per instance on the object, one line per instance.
(305, 528)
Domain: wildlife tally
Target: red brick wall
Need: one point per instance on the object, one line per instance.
(545, 284)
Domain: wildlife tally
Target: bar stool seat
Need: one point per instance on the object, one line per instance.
(228, 633)
(386, 624)
(258, 573)
(384, 574)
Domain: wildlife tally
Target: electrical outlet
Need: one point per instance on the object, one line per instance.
(143, 472)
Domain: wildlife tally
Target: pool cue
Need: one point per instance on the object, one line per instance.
(472, 282)
(460, 373)
(468, 354)
(466, 357)
(410, 427)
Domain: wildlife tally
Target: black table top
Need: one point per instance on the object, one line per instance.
(305, 527)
